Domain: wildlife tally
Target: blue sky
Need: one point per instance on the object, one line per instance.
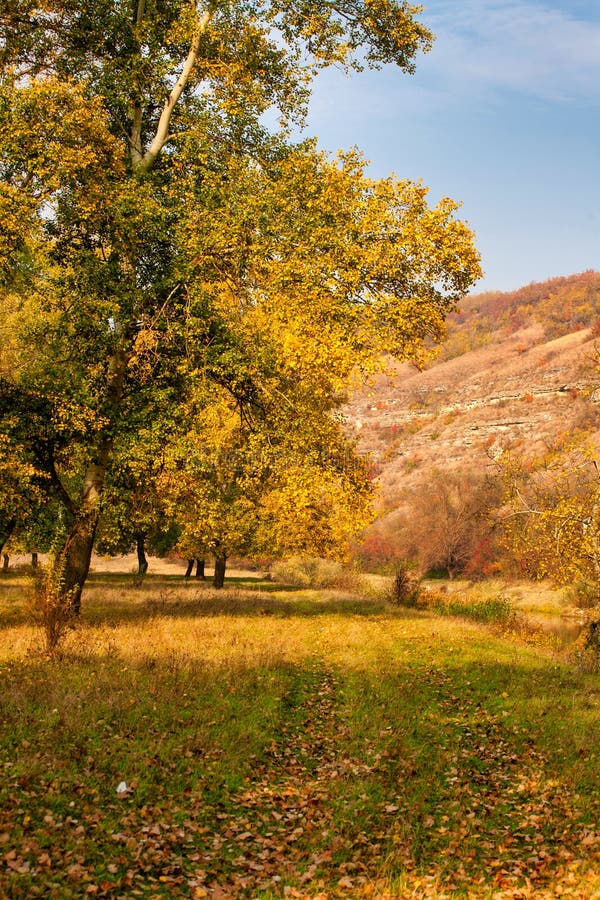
(504, 115)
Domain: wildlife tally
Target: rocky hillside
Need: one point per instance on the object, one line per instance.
(517, 369)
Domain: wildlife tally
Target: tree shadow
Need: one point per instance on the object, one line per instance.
(114, 598)
(179, 582)
(234, 605)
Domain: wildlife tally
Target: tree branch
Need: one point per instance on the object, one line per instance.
(162, 130)
(48, 465)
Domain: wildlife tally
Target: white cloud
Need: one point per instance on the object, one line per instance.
(482, 47)
(528, 47)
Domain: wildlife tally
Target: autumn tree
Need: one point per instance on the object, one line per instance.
(284, 481)
(209, 485)
(29, 518)
(133, 518)
(133, 515)
(550, 517)
(147, 213)
(447, 518)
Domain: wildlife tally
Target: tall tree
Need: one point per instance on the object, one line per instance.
(121, 126)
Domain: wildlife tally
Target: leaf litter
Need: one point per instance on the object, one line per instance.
(315, 819)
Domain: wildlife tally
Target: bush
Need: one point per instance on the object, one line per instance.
(405, 587)
(584, 595)
(376, 553)
(592, 647)
(313, 572)
(585, 652)
(50, 607)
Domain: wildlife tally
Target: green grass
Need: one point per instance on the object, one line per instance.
(290, 743)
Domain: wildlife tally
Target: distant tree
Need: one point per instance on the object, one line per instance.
(30, 520)
(38, 531)
(133, 516)
(446, 519)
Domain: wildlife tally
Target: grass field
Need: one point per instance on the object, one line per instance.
(282, 743)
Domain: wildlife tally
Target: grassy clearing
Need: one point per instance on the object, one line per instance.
(290, 743)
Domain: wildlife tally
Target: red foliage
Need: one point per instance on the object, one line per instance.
(483, 560)
(376, 553)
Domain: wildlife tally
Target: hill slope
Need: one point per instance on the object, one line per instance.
(525, 376)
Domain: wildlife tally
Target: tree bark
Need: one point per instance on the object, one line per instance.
(6, 531)
(200, 569)
(220, 566)
(146, 162)
(5, 562)
(140, 547)
(72, 562)
(190, 567)
(34, 560)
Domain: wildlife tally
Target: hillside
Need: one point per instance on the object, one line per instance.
(525, 377)
(559, 306)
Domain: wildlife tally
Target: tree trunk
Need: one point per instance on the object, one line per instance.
(34, 560)
(72, 563)
(190, 567)
(219, 576)
(140, 541)
(5, 562)
(200, 569)
(6, 530)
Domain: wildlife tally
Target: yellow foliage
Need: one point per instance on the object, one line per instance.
(551, 514)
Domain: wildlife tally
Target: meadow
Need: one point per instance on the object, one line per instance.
(267, 742)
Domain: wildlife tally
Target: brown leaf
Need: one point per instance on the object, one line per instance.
(76, 872)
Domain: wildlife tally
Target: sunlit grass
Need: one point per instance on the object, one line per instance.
(298, 743)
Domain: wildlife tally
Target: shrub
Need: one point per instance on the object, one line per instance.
(583, 595)
(376, 553)
(313, 572)
(592, 646)
(585, 652)
(405, 588)
(50, 608)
